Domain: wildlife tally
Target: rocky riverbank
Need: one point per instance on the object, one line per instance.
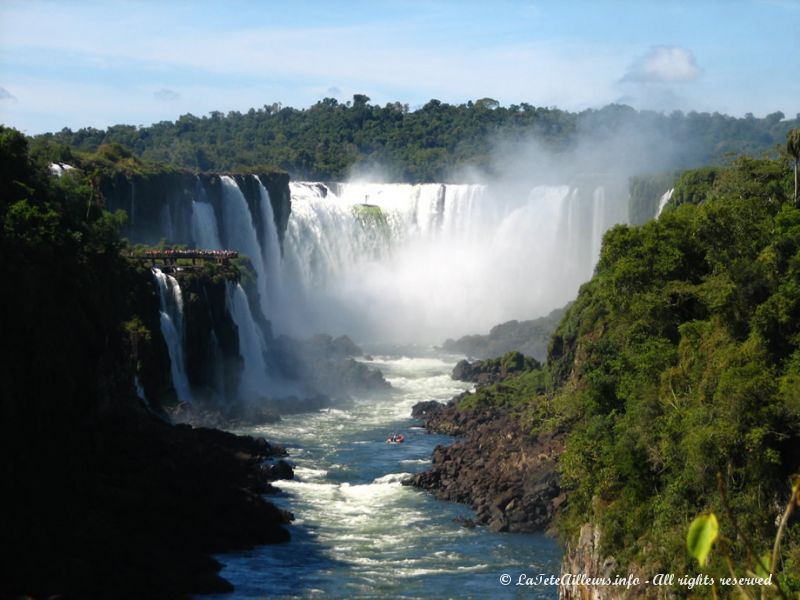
(146, 509)
(506, 475)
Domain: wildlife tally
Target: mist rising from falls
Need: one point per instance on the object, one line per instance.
(379, 262)
(424, 262)
(171, 317)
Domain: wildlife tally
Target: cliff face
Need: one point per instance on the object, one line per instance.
(211, 340)
(213, 361)
(159, 204)
(584, 558)
(101, 497)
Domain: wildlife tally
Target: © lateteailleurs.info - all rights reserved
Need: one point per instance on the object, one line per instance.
(630, 581)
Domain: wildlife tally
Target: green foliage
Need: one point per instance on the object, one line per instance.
(702, 534)
(520, 393)
(693, 186)
(331, 139)
(793, 149)
(776, 575)
(69, 314)
(370, 216)
(680, 360)
(513, 393)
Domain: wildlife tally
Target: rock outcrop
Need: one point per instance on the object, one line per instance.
(528, 337)
(147, 507)
(326, 364)
(585, 559)
(494, 370)
(507, 476)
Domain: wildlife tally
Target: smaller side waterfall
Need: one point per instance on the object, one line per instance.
(171, 316)
(240, 234)
(663, 201)
(139, 389)
(204, 226)
(252, 345)
(271, 250)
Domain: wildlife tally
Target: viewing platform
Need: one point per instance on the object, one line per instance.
(175, 260)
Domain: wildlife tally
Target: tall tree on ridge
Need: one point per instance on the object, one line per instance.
(793, 148)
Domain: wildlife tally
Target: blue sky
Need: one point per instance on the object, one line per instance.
(91, 63)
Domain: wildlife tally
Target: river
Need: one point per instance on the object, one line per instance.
(358, 532)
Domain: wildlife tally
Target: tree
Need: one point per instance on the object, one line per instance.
(793, 148)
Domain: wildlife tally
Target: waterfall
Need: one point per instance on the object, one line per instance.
(165, 219)
(240, 234)
(400, 262)
(271, 250)
(252, 346)
(666, 197)
(424, 262)
(171, 317)
(205, 232)
(139, 389)
(58, 169)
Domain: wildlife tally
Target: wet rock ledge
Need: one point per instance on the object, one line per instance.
(506, 475)
(142, 512)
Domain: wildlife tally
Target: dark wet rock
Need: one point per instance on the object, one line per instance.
(149, 504)
(507, 476)
(494, 370)
(325, 364)
(278, 470)
(422, 410)
(464, 522)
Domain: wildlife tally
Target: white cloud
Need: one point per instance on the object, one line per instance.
(386, 61)
(6, 95)
(664, 64)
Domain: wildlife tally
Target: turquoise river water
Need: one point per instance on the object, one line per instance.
(358, 532)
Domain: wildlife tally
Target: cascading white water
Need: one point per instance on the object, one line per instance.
(666, 197)
(271, 248)
(58, 169)
(240, 234)
(137, 384)
(171, 317)
(204, 226)
(423, 262)
(399, 262)
(252, 346)
(205, 231)
(167, 226)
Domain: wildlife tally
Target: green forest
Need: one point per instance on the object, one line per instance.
(330, 140)
(676, 374)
